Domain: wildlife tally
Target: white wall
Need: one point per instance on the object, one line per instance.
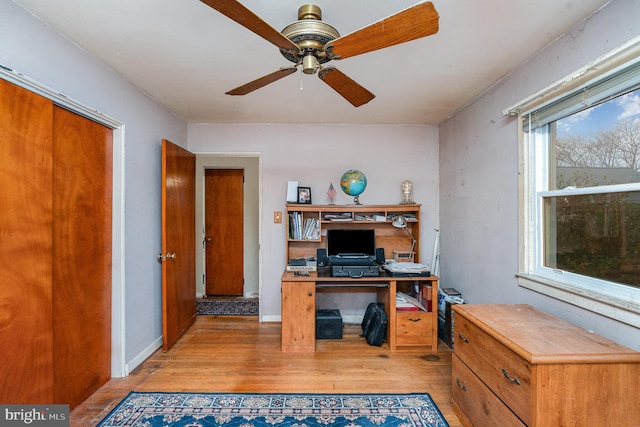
(34, 49)
(315, 156)
(479, 176)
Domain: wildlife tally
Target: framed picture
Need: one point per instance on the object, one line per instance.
(304, 195)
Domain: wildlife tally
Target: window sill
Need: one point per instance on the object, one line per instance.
(623, 311)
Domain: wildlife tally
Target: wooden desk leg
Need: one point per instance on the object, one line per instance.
(434, 313)
(391, 326)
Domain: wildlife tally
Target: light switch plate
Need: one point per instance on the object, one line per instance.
(277, 217)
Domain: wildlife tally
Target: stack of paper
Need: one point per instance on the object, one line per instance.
(406, 267)
(406, 302)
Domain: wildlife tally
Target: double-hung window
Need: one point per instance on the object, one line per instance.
(580, 189)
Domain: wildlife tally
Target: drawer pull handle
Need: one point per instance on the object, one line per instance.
(462, 337)
(411, 319)
(512, 379)
(459, 384)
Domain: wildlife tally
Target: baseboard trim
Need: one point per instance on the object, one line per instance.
(355, 319)
(271, 318)
(142, 356)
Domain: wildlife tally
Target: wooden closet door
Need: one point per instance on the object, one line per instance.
(26, 341)
(82, 200)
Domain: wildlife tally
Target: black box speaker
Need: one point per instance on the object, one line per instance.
(328, 324)
(380, 256)
(321, 257)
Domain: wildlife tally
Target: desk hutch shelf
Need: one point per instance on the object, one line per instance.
(324, 217)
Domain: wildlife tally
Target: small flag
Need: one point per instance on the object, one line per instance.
(331, 192)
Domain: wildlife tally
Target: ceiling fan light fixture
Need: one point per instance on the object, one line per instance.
(310, 34)
(309, 11)
(309, 64)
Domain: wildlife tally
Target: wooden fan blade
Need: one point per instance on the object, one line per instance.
(345, 86)
(243, 16)
(413, 23)
(262, 81)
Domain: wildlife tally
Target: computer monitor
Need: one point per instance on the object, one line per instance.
(351, 241)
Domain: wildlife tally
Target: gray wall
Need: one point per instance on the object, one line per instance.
(34, 49)
(479, 175)
(387, 154)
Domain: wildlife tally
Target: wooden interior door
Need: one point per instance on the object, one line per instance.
(178, 242)
(224, 232)
(26, 258)
(82, 200)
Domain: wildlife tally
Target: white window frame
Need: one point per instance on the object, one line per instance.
(606, 298)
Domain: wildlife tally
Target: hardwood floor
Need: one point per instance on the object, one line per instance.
(239, 354)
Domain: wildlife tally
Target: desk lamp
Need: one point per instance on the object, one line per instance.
(400, 222)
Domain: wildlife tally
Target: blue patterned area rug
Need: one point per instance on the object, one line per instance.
(227, 307)
(268, 410)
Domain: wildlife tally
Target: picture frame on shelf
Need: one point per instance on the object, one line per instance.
(304, 195)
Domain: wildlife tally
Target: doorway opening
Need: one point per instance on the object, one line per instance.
(230, 253)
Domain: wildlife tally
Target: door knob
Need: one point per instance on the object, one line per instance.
(207, 239)
(167, 256)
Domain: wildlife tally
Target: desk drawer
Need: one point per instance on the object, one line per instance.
(502, 370)
(414, 327)
(476, 400)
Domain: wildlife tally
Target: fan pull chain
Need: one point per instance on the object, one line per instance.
(301, 74)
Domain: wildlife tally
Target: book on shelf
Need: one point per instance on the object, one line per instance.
(309, 230)
(425, 296)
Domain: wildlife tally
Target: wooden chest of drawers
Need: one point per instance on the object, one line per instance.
(516, 366)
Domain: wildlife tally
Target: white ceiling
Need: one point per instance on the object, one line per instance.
(186, 55)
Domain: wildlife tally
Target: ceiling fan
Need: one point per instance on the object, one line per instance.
(310, 42)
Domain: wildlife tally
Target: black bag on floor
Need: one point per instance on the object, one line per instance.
(368, 315)
(374, 324)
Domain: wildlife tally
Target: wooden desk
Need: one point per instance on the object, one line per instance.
(299, 309)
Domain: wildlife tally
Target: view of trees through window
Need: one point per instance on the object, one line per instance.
(598, 234)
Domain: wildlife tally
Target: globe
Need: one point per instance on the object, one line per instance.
(353, 183)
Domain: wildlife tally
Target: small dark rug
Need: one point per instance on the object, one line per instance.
(227, 307)
(268, 410)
